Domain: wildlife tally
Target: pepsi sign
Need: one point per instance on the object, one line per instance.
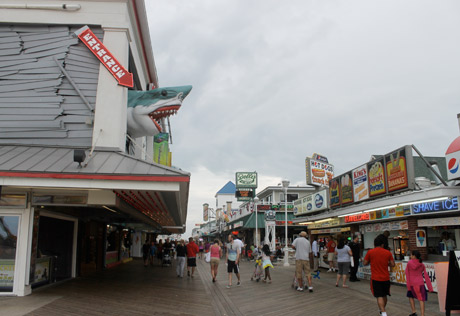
(453, 160)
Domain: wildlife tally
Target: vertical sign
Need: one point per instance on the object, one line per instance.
(346, 188)
(334, 192)
(119, 72)
(360, 183)
(205, 212)
(396, 170)
(377, 183)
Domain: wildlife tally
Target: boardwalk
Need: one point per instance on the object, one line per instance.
(131, 289)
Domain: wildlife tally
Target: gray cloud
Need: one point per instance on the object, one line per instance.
(276, 81)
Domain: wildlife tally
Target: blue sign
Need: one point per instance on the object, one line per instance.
(319, 201)
(436, 206)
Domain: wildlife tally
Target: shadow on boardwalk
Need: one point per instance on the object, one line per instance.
(132, 289)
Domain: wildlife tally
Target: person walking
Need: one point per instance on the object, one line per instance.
(416, 277)
(181, 253)
(380, 259)
(216, 254)
(145, 252)
(192, 250)
(303, 255)
(331, 254)
(356, 250)
(343, 253)
(152, 252)
(266, 263)
(233, 257)
(201, 249)
(315, 250)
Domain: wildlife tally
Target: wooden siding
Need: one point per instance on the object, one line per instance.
(38, 105)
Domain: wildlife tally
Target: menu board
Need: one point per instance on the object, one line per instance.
(360, 183)
(346, 188)
(397, 170)
(334, 192)
(377, 184)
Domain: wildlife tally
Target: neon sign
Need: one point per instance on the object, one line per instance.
(357, 218)
(436, 206)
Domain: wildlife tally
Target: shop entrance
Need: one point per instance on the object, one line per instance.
(55, 241)
(9, 226)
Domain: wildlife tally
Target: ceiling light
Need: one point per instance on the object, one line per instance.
(425, 201)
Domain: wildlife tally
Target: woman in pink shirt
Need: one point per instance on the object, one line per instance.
(216, 254)
(416, 283)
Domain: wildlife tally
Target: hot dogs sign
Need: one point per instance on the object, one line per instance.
(319, 171)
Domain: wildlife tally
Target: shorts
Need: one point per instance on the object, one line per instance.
(215, 261)
(344, 267)
(302, 265)
(232, 267)
(191, 262)
(418, 292)
(380, 288)
(330, 256)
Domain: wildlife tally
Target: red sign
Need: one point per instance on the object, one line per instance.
(357, 218)
(88, 38)
(279, 223)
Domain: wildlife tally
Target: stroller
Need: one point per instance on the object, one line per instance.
(166, 258)
(258, 271)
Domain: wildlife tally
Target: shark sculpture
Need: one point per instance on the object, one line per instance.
(146, 109)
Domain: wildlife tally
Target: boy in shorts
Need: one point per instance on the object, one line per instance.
(380, 259)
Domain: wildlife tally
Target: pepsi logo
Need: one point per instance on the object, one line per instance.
(453, 165)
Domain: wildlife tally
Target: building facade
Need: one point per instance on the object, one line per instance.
(79, 188)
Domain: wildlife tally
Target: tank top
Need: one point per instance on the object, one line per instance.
(215, 249)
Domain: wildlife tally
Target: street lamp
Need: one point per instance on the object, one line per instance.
(286, 250)
(256, 200)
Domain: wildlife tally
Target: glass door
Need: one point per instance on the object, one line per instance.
(8, 242)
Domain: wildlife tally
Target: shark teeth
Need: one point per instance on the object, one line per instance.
(162, 113)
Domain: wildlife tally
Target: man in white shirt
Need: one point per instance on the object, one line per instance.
(315, 250)
(303, 255)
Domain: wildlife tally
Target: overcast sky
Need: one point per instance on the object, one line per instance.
(276, 81)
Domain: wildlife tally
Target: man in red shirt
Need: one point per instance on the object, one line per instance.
(192, 250)
(380, 259)
(330, 254)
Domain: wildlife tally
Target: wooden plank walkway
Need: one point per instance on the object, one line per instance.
(132, 289)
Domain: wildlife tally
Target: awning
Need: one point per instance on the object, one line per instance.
(249, 221)
(148, 190)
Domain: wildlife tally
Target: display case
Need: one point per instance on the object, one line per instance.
(401, 247)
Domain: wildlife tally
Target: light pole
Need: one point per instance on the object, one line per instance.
(286, 249)
(256, 200)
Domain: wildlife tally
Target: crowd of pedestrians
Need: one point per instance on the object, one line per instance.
(347, 256)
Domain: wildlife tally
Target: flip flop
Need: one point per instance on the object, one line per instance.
(344, 285)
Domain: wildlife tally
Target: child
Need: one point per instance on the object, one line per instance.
(415, 284)
(258, 265)
(266, 263)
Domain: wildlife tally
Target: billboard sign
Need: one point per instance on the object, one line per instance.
(360, 183)
(377, 182)
(388, 174)
(243, 194)
(311, 203)
(396, 167)
(246, 180)
(346, 188)
(318, 172)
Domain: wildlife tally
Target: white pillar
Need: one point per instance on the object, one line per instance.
(110, 116)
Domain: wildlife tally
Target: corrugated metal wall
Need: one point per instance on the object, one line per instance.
(38, 105)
